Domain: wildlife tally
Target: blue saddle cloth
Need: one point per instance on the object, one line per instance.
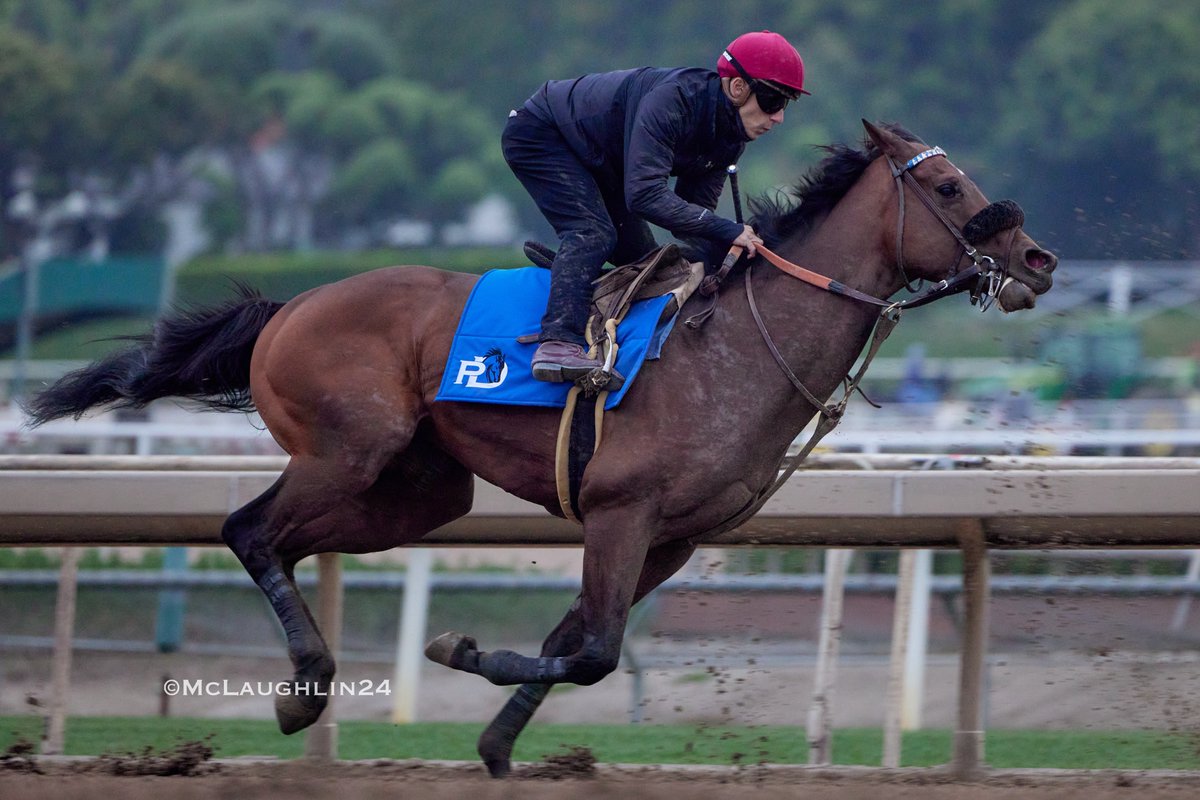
(488, 365)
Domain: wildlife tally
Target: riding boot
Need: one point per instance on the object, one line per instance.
(562, 361)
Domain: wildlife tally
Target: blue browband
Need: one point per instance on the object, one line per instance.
(919, 157)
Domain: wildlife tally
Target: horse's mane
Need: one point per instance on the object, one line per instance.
(794, 212)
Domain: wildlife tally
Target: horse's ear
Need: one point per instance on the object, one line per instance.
(885, 140)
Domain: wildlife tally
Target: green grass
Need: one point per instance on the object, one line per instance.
(645, 744)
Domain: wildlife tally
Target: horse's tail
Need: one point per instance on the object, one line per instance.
(200, 354)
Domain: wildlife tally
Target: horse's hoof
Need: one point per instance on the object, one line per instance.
(496, 752)
(499, 768)
(296, 711)
(451, 649)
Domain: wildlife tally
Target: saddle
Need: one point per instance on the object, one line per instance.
(660, 272)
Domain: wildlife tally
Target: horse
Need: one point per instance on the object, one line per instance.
(344, 376)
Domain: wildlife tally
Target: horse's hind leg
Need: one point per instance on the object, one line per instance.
(496, 744)
(248, 533)
(336, 505)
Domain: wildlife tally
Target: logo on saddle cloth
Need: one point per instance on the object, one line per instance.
(487, 371)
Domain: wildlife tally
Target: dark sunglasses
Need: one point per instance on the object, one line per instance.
(771, 98)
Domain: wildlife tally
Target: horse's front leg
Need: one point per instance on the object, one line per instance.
(496, 743)
(615, 546)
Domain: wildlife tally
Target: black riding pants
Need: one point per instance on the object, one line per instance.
(589, 216)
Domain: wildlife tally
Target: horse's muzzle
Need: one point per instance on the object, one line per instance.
(1029, 269)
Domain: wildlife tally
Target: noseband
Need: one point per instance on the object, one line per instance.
(989, 278)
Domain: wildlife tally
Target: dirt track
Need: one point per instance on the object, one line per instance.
(415, 781)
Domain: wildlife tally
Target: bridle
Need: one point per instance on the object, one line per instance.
(990, 278)
(984, 279)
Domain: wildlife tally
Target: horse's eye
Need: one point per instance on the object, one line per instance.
(948, 189)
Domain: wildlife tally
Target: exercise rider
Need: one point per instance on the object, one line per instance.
(596, 153)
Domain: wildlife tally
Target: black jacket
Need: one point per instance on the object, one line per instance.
(635, 128)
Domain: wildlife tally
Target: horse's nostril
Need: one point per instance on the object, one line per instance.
(1040, 260)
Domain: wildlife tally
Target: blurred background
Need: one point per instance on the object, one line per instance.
(153, 150)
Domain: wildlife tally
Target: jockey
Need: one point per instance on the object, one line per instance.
(596, 154)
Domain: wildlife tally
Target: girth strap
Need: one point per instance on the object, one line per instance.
(580, 430)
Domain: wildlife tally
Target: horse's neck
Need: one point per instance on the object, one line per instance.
(819, 334)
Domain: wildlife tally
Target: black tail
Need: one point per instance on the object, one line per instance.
(199, 354)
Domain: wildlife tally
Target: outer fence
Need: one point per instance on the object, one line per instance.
(1000, 503)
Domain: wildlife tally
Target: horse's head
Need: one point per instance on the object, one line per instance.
(951, 223)
(493, 364)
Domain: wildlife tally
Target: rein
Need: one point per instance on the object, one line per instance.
(958, 282)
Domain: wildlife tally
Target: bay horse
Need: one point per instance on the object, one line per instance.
(345, 375)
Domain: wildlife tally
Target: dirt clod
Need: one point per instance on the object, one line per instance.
(19, 757)
(185, 758)
(577, 762)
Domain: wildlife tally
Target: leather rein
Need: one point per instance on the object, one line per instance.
(983, 279)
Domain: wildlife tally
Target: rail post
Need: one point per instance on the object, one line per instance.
(64, 632)
(820, 715)
(321, 741)
(168, 625)
(969, 735)
(893, 707)
(917, 651)
(414, 618)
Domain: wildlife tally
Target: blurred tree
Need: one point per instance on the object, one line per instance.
(1109, 128)
(1084, 110)
(121, 135)
(37, 115)
(438, 153)
(241, 42)
(234, 44)
(351, 48)
(161, 108)
(282, 165)
(379, 177)
(36, 82)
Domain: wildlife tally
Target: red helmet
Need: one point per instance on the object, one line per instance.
(765, 56)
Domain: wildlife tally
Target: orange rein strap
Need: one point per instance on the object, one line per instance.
(817, 279)
(958, 283)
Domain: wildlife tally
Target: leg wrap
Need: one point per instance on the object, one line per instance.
(504, 668)
(304, 644)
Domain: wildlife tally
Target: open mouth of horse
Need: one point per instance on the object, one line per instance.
(1028, 278)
